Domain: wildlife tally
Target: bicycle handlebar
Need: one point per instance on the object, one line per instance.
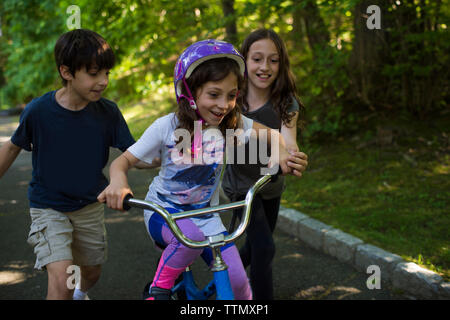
(217, 240)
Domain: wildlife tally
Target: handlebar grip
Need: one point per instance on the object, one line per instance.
(125, 204)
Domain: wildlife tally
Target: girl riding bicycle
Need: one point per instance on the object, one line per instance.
(208, 77)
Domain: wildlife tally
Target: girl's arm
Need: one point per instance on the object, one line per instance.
(298, 161)
(147, 149)
(274, 136)
(289, 133)
(118, 188)
(144, 165)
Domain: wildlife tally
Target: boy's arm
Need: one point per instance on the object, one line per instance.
(8, 153)
(118, 188)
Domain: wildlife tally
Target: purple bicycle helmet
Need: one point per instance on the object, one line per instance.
(198, 53)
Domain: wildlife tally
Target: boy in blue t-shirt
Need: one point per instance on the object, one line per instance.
(69, 132)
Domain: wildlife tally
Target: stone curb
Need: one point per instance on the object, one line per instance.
(416, 281)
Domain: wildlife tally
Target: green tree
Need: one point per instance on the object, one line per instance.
(344, 71)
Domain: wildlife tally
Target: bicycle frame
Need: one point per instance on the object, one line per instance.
(221, 281)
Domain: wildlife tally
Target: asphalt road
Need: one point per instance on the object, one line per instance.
(300, 272)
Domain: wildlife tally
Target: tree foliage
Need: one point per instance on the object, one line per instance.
(345, 71)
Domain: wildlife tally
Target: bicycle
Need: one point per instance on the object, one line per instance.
(220, 285)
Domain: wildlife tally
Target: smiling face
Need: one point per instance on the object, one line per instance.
(91, 83)
(215, 99)
(87, 85)
(263, 64)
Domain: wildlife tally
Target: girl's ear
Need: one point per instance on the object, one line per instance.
(65, 72)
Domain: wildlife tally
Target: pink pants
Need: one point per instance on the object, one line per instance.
(176, 257)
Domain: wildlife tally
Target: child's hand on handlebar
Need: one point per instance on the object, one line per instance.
(114, 195)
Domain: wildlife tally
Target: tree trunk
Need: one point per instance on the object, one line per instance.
(366, 59)
(230, 21)
(298, 30)
(316, 30)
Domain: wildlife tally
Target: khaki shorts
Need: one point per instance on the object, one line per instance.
(79, 236)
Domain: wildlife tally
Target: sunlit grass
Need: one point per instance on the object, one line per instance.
(381, 198)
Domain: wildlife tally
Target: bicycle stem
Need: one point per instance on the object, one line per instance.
(218, 263)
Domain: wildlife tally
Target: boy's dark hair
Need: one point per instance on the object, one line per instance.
(83, 48)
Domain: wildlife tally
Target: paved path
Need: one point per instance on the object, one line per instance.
(300, 272)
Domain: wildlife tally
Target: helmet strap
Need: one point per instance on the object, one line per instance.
(189, 98)
(197, 143)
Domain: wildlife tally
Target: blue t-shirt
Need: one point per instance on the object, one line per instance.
(69, 150)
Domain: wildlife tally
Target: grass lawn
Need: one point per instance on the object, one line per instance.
(393, 195)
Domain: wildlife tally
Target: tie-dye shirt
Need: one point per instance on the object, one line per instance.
(184, 183)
